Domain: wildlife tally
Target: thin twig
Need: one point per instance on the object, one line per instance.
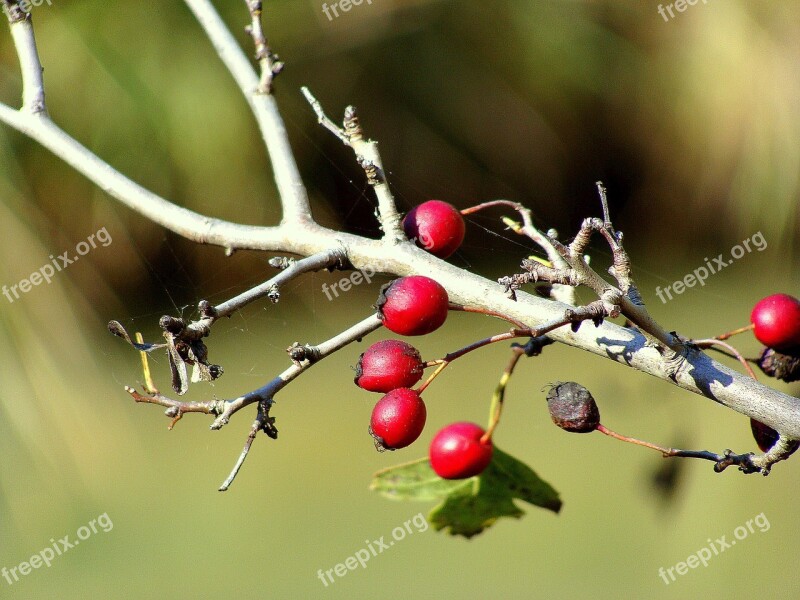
(369, 159)
(562, 293)
(570, 317)
(263, 423)
(315, 262)
(225, 409)
(292, 191)
(268, 62)
(30, 65)
(257, 425)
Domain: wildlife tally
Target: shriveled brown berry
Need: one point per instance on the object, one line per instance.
(785, 367)
(573, 408)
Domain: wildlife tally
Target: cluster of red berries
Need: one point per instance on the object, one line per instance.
(775, 321)
(413, 306)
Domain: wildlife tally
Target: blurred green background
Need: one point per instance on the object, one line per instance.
(694, 125)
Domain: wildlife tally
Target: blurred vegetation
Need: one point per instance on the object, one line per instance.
(693, 124)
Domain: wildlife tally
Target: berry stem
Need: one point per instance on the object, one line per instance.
(725, 336)
(442, 364)
(478, 207)
(606, 431)
(491, 313)
(748, 462)
(717, 342)
(500, 337)
(496, 406)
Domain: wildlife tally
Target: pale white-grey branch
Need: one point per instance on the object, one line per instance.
(298, 234)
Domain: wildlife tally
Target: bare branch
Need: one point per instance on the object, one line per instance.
(225, 409)
(184, 340)
(315, 262)
(292, 191)
(269, 63)
(561, 292)
(578, 272)
(176, 408)
(686, 367)
(30, 65)
(263, 423)
(370, 160)
(254, 429)
(268, 391)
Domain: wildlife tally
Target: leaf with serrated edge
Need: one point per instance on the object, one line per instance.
(469, 505)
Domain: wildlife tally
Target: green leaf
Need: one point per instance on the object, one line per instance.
(413, 481)
(469, 506)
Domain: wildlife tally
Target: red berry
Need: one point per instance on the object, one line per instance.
(776, 321)
(388, 365)
(457, 451)
(435, 226)
(397, 419)
(413, 305)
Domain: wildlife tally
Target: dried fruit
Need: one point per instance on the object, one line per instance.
(785, 367)
(573, 408)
